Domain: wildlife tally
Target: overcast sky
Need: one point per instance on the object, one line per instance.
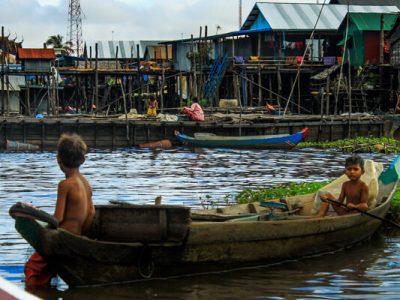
(36, 20)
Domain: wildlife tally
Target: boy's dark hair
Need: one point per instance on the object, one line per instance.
(195, 100)
(354, 160)
(71, 150)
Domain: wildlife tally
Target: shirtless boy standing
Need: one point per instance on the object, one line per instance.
(355, 191)
(74, 208)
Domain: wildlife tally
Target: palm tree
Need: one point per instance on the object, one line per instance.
(57, 42)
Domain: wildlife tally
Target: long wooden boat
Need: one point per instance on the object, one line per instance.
(130, 242)
(280, 141)
(19, 146)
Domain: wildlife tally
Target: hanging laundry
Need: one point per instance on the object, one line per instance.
(299, 45)
(386, 46)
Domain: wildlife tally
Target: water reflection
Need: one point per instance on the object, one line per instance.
(185, 177)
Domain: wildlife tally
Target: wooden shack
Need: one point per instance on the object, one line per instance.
(365, 37)
(36, 60)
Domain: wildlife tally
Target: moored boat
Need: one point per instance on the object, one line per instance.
(130, 242)
(279, 141)
(19, 146)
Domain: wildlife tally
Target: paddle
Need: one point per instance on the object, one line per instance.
(365, 213)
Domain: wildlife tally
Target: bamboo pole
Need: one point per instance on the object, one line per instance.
(279, 78)
(233, 46)
(90, 57)
(350, 102)
(116, 58)
(270, 86)
(7, 92)
(180, 79)
(85, 56)
(328, 81)
(125, 111)
(194, 70)
(162, 88)
(299, 93)
(96, 79)
(28, 101)
(382, 39)
(2, 72)
(130, 79)
(259, 86)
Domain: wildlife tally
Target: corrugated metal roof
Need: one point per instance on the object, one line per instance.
(368, 2)
(126, 49)
(15, 83)
(31, 53)
(372, 22)
(302, 16)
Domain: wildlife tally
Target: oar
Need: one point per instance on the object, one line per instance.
(365, 213)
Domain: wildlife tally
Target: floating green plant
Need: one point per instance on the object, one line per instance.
(359, 144)
(394, 212)
(278, 191)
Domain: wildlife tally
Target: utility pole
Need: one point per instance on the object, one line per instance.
(240, 14)
(74, 30)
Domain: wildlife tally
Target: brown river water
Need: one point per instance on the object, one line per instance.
(188, 177)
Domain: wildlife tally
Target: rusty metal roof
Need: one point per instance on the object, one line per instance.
(33, 53)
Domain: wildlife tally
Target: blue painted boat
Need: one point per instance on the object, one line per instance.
(281, 141)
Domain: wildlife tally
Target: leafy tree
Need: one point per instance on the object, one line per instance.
(57, 42)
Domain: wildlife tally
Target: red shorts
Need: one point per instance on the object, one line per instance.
(37, 271)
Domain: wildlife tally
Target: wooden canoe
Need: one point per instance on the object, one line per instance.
(130, 242)
(19, 146)
(281, 141)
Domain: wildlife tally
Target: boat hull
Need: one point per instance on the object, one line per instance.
(259, 142)
(134, 242)
(208, 246)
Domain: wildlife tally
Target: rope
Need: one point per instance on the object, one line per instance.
(302, 60)
(344, 54)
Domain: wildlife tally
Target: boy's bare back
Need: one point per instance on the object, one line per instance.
(74, 207)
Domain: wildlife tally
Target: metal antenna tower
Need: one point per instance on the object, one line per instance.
(74, 31)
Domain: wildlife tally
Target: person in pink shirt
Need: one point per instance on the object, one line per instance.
(194, 112)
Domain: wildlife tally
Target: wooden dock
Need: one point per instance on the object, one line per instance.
(108, 132)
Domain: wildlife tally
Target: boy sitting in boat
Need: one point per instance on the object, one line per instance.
(355, 191)
(74, 207)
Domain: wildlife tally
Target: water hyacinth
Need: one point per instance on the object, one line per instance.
(359, 144)
(279, 191)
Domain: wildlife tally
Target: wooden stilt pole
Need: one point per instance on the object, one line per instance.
(96, 80)
(299, 93)
(259, 86)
